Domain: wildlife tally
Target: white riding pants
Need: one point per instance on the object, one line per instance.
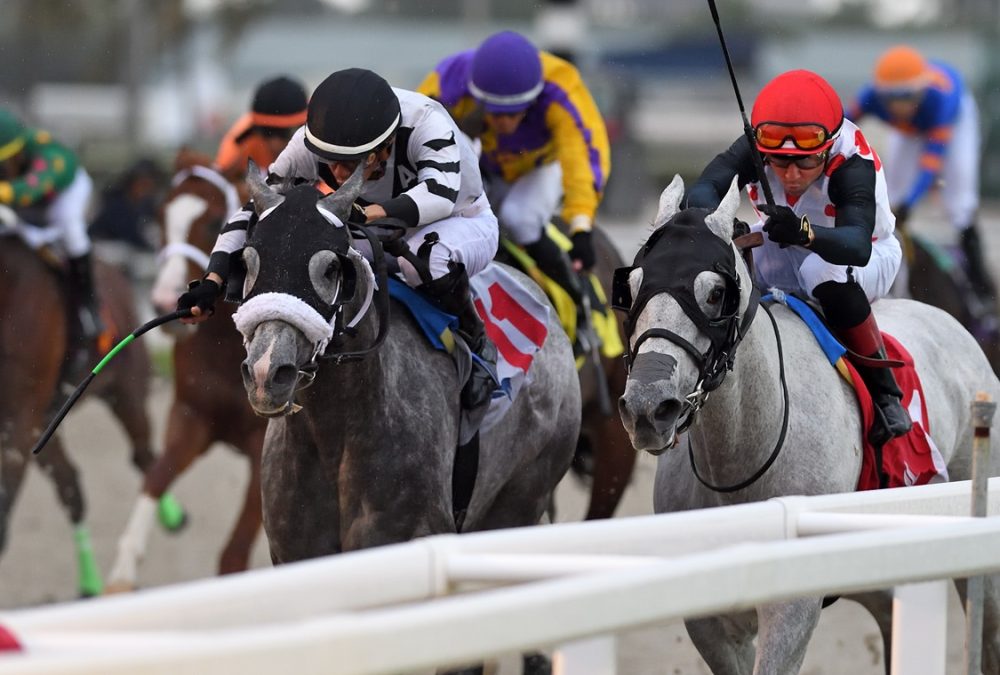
(469, 239)
(799, 270)
(530, 203)
(959, 174)
(67, 214)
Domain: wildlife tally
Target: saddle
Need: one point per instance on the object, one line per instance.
(603, 324)
(911, 459)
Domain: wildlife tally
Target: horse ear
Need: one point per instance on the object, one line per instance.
(339, 203)
(264, 196)
(720, 221)
(670, 200)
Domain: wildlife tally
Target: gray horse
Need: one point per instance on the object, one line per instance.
(738, 440)
(368, 459)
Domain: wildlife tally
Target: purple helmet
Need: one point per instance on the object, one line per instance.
(506, 73)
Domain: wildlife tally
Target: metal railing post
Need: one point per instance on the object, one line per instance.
(983, 410)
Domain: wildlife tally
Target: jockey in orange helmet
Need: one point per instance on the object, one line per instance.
(830, 232)
(935, 135)
(278, 109)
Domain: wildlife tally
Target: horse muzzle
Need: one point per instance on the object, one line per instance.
(650, 414)
(271, 371)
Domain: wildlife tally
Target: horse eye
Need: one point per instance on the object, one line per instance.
(331, 270)
(717, 295)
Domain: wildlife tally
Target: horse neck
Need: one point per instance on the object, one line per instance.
(729, 434)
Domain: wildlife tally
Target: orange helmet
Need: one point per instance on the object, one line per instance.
(901, 68)
(796, 113)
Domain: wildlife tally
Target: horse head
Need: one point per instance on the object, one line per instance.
(689, 299)
(198, 204)
(302, 272)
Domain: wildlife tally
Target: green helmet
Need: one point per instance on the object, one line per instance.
(12, 135)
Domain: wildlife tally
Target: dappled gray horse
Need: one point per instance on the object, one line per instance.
(682, 346)
(369, 458)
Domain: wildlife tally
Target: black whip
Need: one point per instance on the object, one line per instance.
(82, 387)
(758, 162)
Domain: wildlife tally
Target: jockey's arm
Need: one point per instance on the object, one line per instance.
(582, 150)
(852, 191)
(714, 182)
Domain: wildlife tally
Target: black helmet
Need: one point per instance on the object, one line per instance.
(351, 113)
(279, 102)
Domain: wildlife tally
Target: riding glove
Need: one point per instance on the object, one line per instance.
(357, 215)
(583, 248)
(201, 293)
(785, 227)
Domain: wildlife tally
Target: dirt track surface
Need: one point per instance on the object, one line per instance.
(39, 566)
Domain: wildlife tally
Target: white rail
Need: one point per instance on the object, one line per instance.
(383, 611)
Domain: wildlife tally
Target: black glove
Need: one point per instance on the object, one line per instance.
(902, 212)
(357, 215)
(785, 227)
(201, 293)
(583, 248)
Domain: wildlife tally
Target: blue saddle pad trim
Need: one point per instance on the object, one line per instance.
(432, 321)
(828, 343)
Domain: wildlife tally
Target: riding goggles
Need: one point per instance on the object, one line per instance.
(772, 135)
(802, 161)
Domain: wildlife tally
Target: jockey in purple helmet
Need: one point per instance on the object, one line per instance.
(541, 134)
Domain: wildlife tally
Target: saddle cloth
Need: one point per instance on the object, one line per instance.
(515, 320)
(911, 459)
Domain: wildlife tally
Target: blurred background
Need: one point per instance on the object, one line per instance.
(120, 80)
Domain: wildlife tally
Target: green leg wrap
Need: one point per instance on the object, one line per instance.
(171, 513)
(90, 583)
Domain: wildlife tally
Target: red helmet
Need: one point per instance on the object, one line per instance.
(796, 113)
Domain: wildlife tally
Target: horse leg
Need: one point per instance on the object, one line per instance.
(725, 642)
(55, 464)
(291, 477)
(614, 460)
(783, 634)
(236, 555)
(13, 465)
(991, 620)
(130, 409)
(188, 436)
(879, 605)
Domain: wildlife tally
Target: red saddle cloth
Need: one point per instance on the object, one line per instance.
(911, 459)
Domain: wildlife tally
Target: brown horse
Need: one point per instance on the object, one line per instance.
(604, 453)
(209, 400)
(33, 335)
(937, 278)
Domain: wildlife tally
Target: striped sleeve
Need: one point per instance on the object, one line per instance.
(436, 156)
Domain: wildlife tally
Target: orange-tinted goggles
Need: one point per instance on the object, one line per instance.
(772, 135)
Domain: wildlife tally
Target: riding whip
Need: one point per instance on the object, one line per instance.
(78, 392)
(758, 162)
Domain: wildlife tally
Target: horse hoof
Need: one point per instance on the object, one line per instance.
(115, 587)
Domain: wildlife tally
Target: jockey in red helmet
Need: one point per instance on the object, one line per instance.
(830, 232)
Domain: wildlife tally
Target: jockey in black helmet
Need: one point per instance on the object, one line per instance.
(419, 169)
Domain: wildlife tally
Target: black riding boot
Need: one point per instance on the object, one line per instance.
(452, 294)
(556, 264)
(975, 266)
(891, 418)
(85, 323)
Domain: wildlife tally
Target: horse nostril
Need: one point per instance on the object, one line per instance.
(246, 373)
(667, 411)
(284, 376)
